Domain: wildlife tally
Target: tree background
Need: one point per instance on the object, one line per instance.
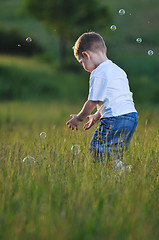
(45, 69)
(70, 19)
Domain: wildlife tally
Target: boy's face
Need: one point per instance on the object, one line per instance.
(87, 62)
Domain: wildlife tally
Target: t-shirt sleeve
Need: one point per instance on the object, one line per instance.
(97, 89)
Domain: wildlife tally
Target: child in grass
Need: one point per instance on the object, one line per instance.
(109, 91)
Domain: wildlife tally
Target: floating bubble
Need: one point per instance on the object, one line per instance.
(119, 164)
(28, 39)
(43, 135)
(150, 52)
(29, 160)
(129, 167)
(121, 11)
(75, 149)
(113, 27)
(139, 40)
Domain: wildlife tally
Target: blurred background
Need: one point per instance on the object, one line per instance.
(45, 70)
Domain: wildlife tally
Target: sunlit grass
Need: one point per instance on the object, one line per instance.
(66, 196)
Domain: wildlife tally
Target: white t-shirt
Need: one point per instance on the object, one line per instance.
(109, 85)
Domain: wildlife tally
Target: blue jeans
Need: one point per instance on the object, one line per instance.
(113, 136)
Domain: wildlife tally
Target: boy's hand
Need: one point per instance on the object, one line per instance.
(74, 122)
(91, 122)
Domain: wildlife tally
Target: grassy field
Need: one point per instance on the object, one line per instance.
(65, 196)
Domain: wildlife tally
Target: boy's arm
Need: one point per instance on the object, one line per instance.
(76, 120)
(92, 119)
(88, 107)
(97, 115)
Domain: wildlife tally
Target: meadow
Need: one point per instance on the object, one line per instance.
(66, 196)
(62, 195)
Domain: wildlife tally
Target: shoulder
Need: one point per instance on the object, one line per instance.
(101, 70)
(98, 74)
(116, 70)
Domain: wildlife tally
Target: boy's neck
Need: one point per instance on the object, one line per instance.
(99, 58)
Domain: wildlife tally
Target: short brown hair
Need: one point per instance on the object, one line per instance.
(89, 41)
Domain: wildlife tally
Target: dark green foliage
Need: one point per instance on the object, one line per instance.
(70, 18)
(10, 39)
(27, 79)
(40, 83)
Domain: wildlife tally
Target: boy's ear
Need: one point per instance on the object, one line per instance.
(86, 54)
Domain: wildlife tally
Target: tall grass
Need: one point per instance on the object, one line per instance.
(66, 196)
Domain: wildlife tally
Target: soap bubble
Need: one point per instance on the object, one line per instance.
(121, 11)
(75, 149)
(129, 167)
(139, 40)
(119, 164)
(113, 27)
(43, 135)
(28, 39)
(29, 160)
(150, 52)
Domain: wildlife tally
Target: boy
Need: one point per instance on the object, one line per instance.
(109, 92)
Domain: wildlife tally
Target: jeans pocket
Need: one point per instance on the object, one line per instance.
(106, 123)
(131, 116)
